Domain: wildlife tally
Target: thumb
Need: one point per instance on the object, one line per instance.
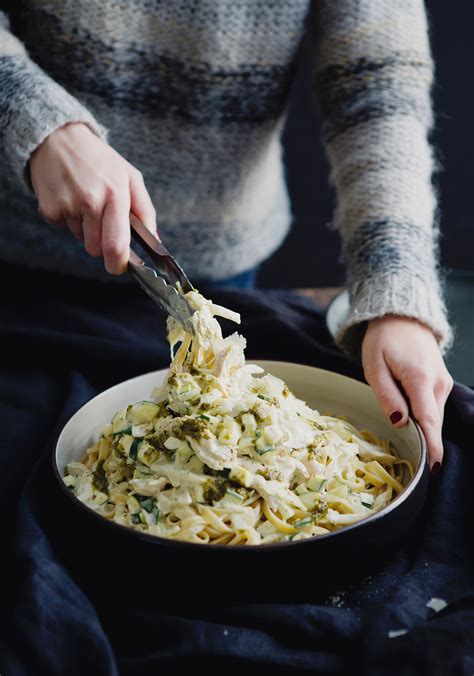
(390, 398)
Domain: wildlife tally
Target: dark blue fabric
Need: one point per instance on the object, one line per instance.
(65, 340)
(244, 280)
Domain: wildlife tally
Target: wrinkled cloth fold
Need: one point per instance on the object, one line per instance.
(67, 339)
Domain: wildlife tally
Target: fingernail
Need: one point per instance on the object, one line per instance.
(396, 417)
(436, 468)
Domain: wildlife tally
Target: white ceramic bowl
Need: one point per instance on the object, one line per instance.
(337, 312)
(324, 390)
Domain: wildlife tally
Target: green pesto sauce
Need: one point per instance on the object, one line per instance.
(193, 427)
(173, 380)
(158, 443)
(257, 413)
(214, 490)
(209, 471)
(99, 480)
(127, 472)
(314, 453)
(269, 474)
(320, 510)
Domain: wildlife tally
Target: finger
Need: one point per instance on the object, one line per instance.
(140, 201)
(426, 411)
(116, 233)
(440, 402)
(92, 228)
(63, 223)
(442, 391)
(74, 223)
(52, 215)
(390, 398)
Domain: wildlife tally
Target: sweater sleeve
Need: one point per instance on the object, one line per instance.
(32, 105)
(374, 74)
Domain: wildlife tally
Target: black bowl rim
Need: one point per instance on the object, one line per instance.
(413, 484)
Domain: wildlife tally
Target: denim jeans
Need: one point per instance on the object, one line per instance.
(244, 280)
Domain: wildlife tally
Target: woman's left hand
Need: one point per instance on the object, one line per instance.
(401, 361)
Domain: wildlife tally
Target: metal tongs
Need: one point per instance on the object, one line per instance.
(167, 283)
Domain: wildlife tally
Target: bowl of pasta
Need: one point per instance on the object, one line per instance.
(221, 466)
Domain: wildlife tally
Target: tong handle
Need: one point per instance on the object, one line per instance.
(158, 253)
(140, 233)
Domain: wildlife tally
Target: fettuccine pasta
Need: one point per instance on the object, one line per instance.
(223, 453)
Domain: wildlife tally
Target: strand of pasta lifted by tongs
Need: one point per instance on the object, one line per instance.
(165, 282)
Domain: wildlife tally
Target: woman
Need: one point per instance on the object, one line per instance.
(194, 95)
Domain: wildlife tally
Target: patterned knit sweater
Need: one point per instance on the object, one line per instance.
(194, 94)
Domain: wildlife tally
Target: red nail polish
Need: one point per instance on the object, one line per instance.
(396, 417)
(436, 469)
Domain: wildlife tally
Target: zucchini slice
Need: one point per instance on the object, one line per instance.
(132, 454)
(146, 502)
(142, 412)
(124, 444)
(119, 422)
(146, 453)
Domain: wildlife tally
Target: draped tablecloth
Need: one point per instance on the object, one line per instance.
(65, 340)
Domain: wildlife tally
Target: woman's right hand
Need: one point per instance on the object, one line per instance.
(83, 183)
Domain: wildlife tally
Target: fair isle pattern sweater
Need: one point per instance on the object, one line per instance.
(194, 94)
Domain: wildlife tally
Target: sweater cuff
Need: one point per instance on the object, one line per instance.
(404, 296)
(48, 108)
